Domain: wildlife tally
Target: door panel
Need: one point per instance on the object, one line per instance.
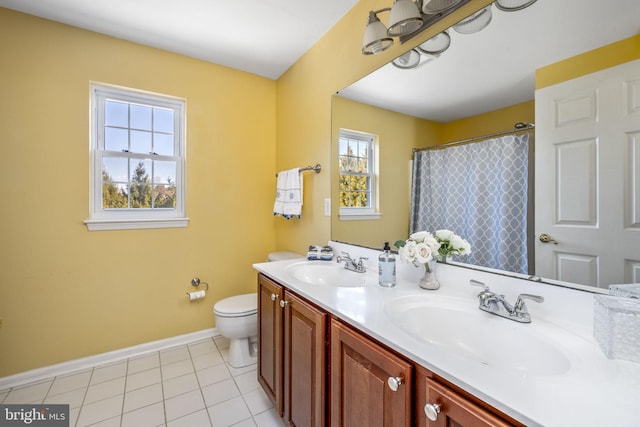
(587, 178)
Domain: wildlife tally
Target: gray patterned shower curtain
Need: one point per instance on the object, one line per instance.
(478, 191)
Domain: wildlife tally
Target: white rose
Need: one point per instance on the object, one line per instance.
(423, 253)
(408, 251)
(433, 244)
(444, 234)
(456, 242)
(466, 248)
(420, 236)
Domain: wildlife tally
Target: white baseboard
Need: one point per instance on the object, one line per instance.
(104, 358)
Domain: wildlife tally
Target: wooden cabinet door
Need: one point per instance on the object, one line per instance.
(270, 360)
(360, 370)
(456, 410)
(305, 364)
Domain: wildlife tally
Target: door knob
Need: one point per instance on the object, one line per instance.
(431, 410)
(394, 383)
(545, 238)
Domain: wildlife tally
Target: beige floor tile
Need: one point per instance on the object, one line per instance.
(109, 372)
(197, 419)
(180, 385)
(100, 411)
(229, 412)
(183, 404)
(143, 379)
(104, 390)
(143, 363)
(149, 416)
(219, 392)
(142, 397)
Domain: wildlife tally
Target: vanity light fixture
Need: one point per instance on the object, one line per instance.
(437, 6)
(513, 5)
(404, 19)
(407, 60)
(436, 44)
(474, 23)
(407, 18)
(376, 39)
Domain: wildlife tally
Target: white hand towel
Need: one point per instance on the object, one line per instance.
(288, 201)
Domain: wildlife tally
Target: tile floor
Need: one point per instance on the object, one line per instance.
(185, 386)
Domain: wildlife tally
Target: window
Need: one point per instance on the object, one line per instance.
(357, 168)
(137, 165)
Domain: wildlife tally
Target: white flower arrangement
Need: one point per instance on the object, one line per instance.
(422, 246)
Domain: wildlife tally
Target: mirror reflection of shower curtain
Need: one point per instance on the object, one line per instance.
(479, 191)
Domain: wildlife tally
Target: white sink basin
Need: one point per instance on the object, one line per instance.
(461, 327)
(326, 273)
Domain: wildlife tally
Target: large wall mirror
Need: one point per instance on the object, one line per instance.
(482, 84)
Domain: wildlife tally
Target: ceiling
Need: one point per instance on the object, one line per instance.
(495, 67)
(480, 72)
(263, 37)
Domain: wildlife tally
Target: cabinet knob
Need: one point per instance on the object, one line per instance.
(394, 383)
(431, 410)
(283, 303)
(274, 297)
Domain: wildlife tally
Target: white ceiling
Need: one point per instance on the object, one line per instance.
(495, 68)
(263, 37)
(480, 72)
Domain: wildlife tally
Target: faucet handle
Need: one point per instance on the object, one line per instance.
(344, 256)
(520, 306)
(477, 283)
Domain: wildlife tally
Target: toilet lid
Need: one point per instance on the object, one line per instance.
(239, 305)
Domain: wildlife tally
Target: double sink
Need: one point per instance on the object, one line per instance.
(456, 324)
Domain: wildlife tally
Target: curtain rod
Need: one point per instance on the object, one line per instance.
(520, 126)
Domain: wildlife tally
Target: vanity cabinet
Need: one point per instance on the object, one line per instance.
(292, 353)
(438, 404)
(307, 358)
(370, 385)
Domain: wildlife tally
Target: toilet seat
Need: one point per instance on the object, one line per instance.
(237, 306)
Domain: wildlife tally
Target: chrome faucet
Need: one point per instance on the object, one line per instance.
(496, 304)
(351, 264)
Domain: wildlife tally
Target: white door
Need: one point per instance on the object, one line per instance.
(587, 181)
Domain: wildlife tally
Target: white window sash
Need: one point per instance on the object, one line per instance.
(108, 219)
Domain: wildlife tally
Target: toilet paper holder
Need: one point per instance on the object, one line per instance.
(195, 282)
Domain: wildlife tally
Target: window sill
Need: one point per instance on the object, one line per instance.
(134, 224)
(360, 216)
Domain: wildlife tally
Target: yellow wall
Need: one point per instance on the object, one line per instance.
(66, 292)
(589, 62)
(397, 135)
(488, 123)
(304, 110)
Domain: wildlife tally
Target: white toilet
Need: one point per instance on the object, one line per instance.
(237, 319)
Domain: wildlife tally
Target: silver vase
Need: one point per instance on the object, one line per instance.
(429, 281)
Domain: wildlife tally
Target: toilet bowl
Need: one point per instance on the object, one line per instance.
(237, 319)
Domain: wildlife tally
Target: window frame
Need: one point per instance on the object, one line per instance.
(137, 218)
(370, 212)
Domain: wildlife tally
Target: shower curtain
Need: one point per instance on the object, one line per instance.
(478, 191)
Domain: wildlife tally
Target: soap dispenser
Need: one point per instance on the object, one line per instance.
(387, 267)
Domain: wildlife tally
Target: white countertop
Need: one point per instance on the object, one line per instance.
(594, 391)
